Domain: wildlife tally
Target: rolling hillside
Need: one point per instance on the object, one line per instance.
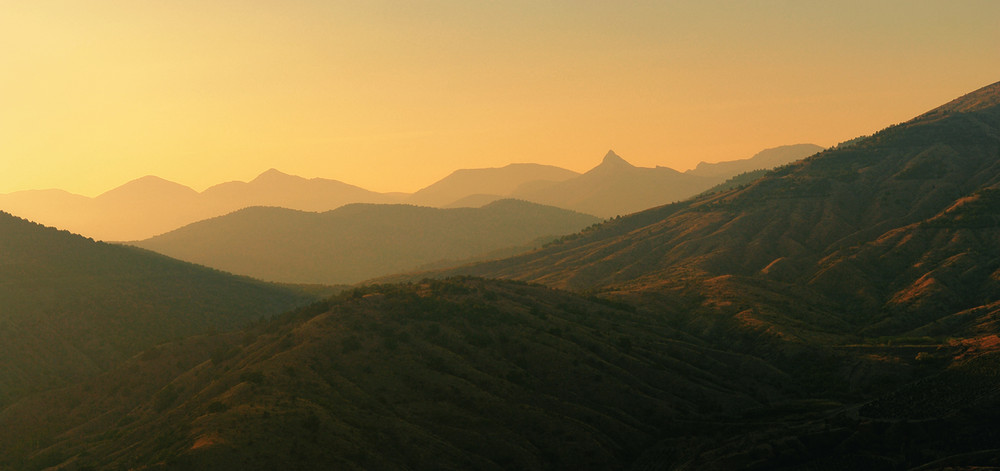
(461, 374)
(71, 307)
(357, 242)
(891, 233)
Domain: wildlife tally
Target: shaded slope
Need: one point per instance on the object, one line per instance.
(457, 374)
(357, 242)
(70, 307)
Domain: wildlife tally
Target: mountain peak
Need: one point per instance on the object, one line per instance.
(273, 175)
(612, 159)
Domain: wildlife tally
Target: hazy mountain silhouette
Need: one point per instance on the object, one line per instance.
(496, 181)
(150, 205)
(765, 159)
(616, 187)
(359, 241)
(71, 307)
(840, 312)
(274, 188)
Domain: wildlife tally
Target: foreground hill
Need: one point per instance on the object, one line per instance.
(461, 374)
(151, 205)
(71, 307)
(357, 242)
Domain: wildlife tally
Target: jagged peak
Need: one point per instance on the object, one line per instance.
(613, 159)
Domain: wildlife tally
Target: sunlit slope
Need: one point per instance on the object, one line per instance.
(902, 224)
(460, 374)
(357, 242)
(70, 307)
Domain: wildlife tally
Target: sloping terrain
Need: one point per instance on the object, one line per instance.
(457, 374)
(763, 160)
(71, 307)
(839, 313)
(356, 242)
(900, 225)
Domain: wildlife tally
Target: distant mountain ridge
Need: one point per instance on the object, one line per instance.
(359, 241)
(486, 181)
(150, 205)
(763, 160)
(616, 187)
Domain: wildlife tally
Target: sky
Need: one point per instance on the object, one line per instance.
(394, 95)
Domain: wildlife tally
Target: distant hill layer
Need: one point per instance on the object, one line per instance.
(496, 181)
(71, 307)
(150, 205)
(763, 160)
(357, 242)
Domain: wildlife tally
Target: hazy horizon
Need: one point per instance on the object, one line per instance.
(394, 97)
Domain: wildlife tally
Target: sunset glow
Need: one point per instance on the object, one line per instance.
(392, 96)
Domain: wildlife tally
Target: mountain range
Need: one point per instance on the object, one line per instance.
(151, 206)
(838, 313)
(361, 241)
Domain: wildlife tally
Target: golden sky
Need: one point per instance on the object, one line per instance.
(393, 95)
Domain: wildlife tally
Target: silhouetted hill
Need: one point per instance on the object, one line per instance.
(460, 374)
(357, 242)
(71, 307)
(150, 205)
(763, 160)
(497, 181)
(274, 188)
(616, 187)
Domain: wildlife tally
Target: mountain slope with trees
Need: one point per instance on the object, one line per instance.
(71, 307)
